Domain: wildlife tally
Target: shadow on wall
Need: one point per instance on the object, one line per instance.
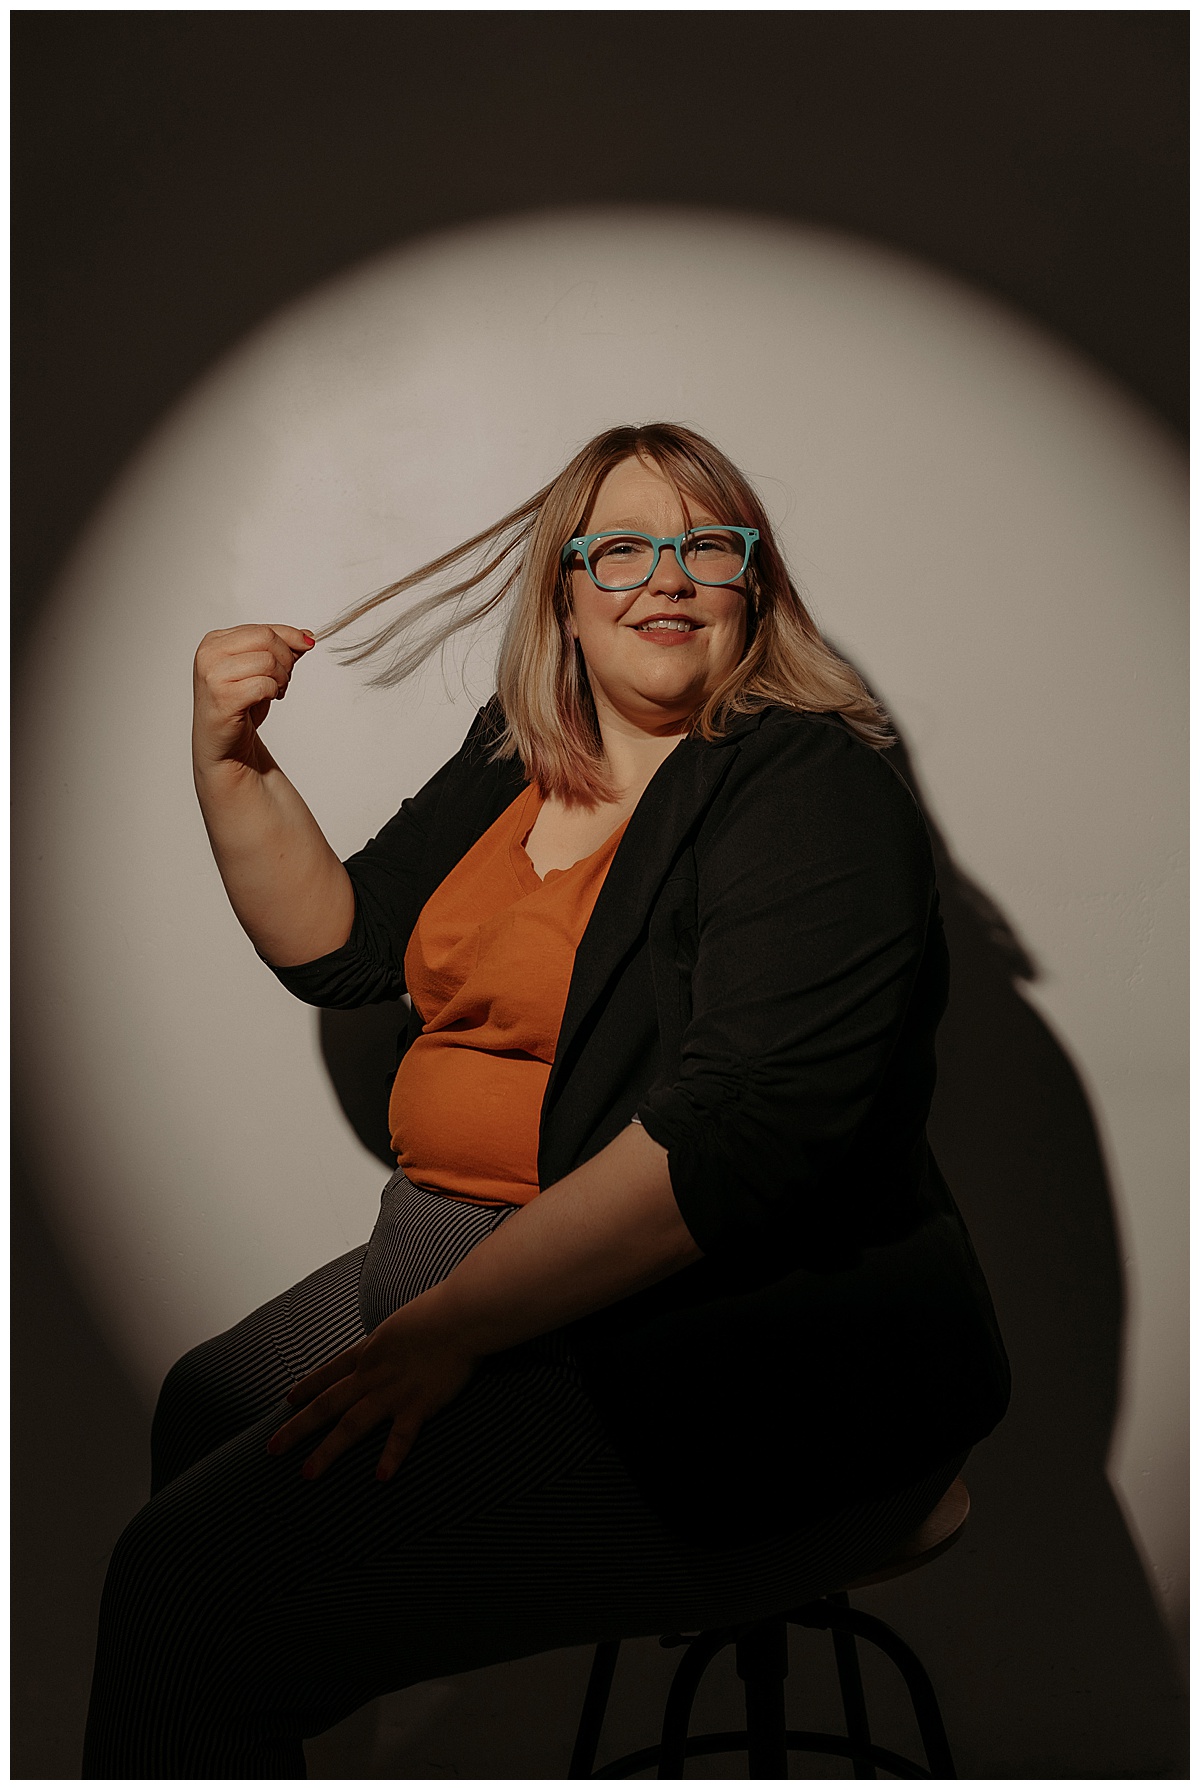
(1043, 1631)
(1056, 1623)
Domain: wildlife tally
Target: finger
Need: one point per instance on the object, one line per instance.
(276, 662)
(401, 1437)
(358, 1422)
(338, 1367)
(248, 635)
(243, 693)
(239, 652)
(223, 645)
(315, 1416)
(299, 640)
(287, 647)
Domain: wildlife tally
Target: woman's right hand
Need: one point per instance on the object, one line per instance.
(283, 879)
(237, 674)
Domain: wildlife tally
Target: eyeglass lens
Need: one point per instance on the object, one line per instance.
(709, 556)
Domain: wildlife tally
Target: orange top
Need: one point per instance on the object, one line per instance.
(488, 967)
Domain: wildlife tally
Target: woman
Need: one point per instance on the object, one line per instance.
(668, 1319)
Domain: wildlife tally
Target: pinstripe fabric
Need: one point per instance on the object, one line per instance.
(226, 1384)
(246, 1608)
(418, 1239)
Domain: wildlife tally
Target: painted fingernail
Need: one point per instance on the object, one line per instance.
(311, 638)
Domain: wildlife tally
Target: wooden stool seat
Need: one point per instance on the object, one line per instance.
(940, 1530)
(762, 1664)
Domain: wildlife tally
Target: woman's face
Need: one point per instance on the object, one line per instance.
(654, 677)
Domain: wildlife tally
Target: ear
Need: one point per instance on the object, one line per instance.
(565, 606)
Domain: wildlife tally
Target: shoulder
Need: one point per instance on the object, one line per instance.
(803, 789)
(791, 749)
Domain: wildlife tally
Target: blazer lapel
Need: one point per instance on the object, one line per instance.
(674, 800)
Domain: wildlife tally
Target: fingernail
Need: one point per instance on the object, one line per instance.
(311, 638)
(382, 1474)
(308, 1471)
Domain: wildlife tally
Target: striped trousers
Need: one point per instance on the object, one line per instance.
(246, 1608)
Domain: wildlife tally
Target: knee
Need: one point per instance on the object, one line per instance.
(144, 1563)
(195, 1412)
(182, 1571)
(185, 1388)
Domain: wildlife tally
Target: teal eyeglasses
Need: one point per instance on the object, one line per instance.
(622, 559)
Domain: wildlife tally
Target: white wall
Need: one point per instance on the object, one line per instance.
(994, 534)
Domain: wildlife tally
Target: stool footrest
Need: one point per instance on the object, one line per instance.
(799, 1740)
(762, 1662)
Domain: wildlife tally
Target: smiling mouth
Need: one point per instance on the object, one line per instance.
(668, 626)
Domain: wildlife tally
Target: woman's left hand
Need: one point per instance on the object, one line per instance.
(609, 1228)
(403, 1372)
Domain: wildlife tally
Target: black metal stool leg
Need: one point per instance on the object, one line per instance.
(762, 1664)
(920, 1689)
(604, 1665)
(826, 1614)
(854, 1703)
(690, 1670)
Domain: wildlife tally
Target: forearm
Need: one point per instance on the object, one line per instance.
(283, 878)
(604, 1231)
(597, 1235)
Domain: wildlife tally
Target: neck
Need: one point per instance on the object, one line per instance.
(634, 753)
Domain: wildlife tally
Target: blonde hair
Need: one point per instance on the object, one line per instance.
(541, 680)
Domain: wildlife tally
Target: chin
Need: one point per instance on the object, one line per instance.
(672, 705)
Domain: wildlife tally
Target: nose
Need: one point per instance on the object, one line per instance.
(669, 579)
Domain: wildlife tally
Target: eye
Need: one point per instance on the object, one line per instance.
(620, 549)
(620, 561)
(714, 555)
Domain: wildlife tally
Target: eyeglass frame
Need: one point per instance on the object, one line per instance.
(581, 543)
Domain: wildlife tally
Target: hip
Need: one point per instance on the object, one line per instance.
(419, 1238)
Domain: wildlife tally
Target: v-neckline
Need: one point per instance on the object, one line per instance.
(526, 822)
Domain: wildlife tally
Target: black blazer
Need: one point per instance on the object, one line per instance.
(760, 982)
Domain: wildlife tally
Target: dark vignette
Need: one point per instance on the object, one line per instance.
(177, 177)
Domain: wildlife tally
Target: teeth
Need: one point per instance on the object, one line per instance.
(683, 627)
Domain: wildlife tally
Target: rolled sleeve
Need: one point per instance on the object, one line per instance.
(358, 973)
(814, 897)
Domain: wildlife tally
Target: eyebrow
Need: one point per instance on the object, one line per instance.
(640, 528)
